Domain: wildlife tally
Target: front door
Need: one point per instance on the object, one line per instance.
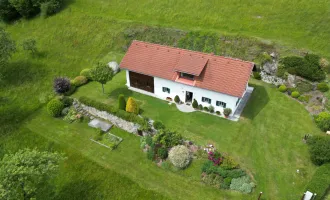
(189, 96)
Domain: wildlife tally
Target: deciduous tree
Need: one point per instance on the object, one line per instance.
(102, 74)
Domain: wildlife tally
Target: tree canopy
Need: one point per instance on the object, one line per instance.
(7, 47)
(102, 74)
(22, 173)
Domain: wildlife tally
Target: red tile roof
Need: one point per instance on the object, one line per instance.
(220, 74)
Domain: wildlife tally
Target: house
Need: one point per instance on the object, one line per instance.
(164, 72)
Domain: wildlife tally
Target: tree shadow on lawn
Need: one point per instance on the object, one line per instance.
(258, 100)
(17, 73)
(121, 90)
(81, 189)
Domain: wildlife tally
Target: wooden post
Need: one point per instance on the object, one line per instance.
(259, 195)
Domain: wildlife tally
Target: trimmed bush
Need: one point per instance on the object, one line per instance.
(180, 156)
(218, 112)
(227, 112)
(195, 104)
(132, 106)
(211, 109)
(319, 149)
(162, 153)
(86, 72)
(158, 125)
(79, 81)
(242, 184)
(177, 99)
(282, 88)
(110, 109)
(67, 101)
(323, 87)
(228, 162)
(61, 85)
(168, 138)
(295, 94)
(121, 102)
(322, 120)
(257, 75)
(200, 107)
(206, 109)
(71, 90)
(320, 182)
(55, 107)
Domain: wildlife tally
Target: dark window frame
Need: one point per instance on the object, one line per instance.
(221, 104)
(187, 76)
(167, 90)
(205, 99)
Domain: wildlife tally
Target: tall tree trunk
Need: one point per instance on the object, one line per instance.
(103, 88)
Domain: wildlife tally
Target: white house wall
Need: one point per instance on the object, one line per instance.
(180, 90)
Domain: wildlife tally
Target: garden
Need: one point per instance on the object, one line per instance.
(72, 44)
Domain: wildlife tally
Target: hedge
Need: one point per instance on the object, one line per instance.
(320, 182)
(112, 110)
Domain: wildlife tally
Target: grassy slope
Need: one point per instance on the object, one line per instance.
(84, 32)
(267, 141)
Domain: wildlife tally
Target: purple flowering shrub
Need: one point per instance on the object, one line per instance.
(215, 157)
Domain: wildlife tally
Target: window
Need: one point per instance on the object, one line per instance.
(187, 76)
(204, 99)
(220, 103)
(238, 100)
(165, 89)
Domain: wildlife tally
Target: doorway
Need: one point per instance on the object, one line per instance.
(189, 97)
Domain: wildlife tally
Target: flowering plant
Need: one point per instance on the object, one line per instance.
(215, 157)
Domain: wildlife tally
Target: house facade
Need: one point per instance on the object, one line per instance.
(165, 72)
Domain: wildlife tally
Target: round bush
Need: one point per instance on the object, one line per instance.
(158, 125)
(211, 109)
(86, 73)
(323, 87)
(218, 112)
(55, 107)
(195, 104)
(61, 85)
(177, 99)
(79, 80)
(206, 108)
(200, 107)
(179, 156)
(227, 112)
(295, 94)
(282, 88)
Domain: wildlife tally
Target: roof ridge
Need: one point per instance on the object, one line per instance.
(197, 52)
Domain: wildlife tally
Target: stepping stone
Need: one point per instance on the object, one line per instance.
(96, 123)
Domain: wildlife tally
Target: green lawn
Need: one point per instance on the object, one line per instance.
(267, 141)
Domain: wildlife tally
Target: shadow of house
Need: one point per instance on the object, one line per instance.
(258, 100)
(121, 90)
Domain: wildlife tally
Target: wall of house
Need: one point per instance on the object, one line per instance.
(180, 90)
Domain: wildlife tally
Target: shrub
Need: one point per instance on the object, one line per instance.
(322, 120)
(304, 86)
(7, 11)
(282, 88)
(226, 183)
(121, 102)
(209, 168)
(79, 81)
(71, 90)
(54, 107)
(200, 107)
(211, 109)
(295, 94)
(162, 153)
(257, 75)
(227, 112)
(218, 112)
(30, 45)
(180, 156)
(319, 149)
(151, 153)
(206, 109)
(323, 87)
(229, 163)
(177, 99)
(320, 181)
(61, 85)
(86, 72)
(132, 106)
(168, 138)
(149, 141)
(50, 7)
(213, 180)
(72, 116)
(67, 101)
(242, 184)
(215, 157)
(195, 104)
(158, 125)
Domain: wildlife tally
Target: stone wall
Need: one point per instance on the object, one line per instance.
(92, 112)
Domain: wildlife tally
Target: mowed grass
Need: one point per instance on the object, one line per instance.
(267, 141)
